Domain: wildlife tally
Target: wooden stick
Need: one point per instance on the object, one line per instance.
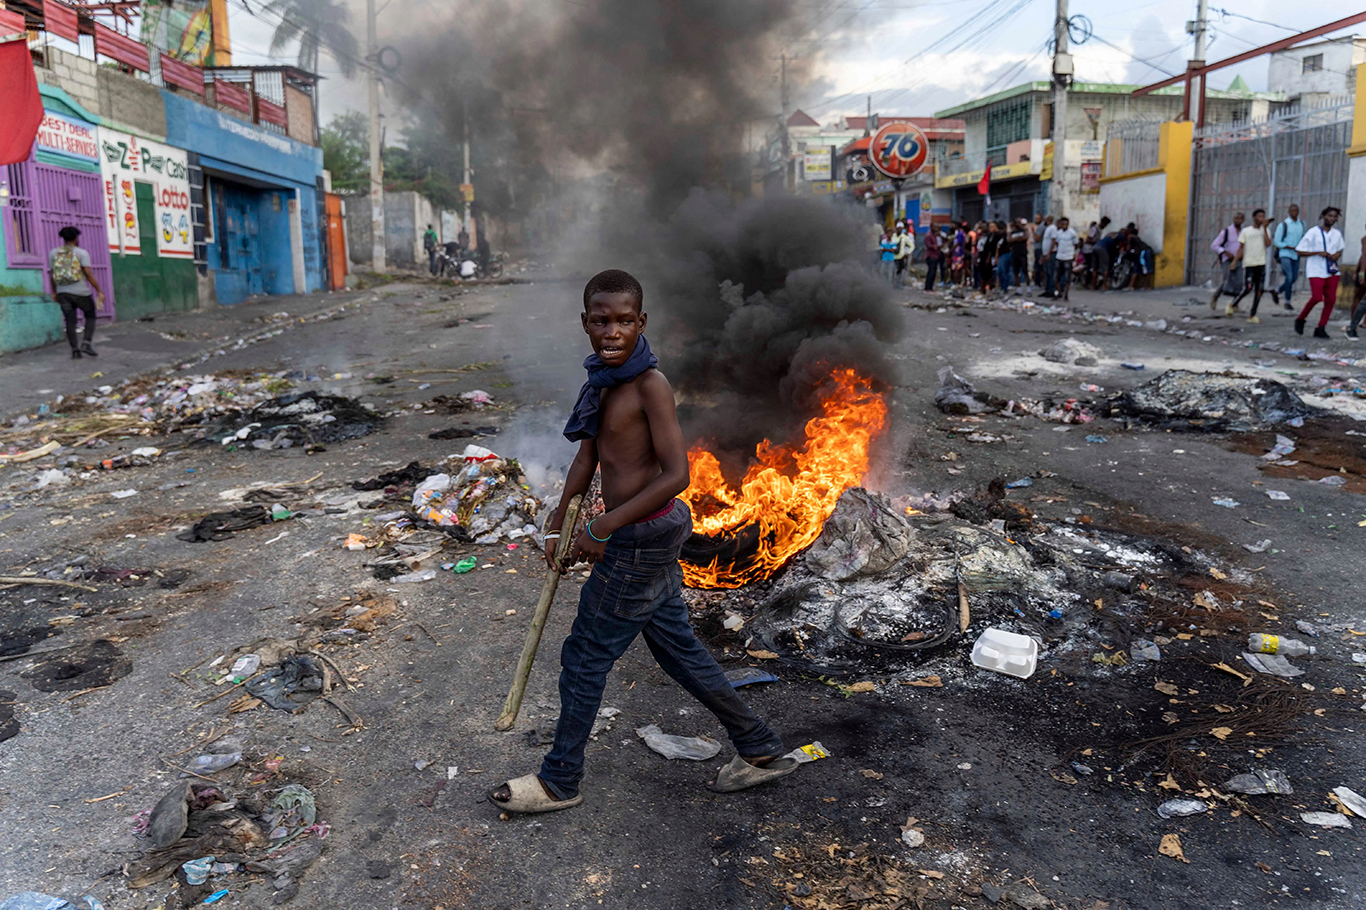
(964, 615)
(100, 799)
(31, 454)
(224, 692)
(84, 692)
(533, 635)
(25, 580)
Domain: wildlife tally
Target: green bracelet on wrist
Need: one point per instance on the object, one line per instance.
(596, 537)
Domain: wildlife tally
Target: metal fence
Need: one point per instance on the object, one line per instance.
(1296, 155)
(1131, 145)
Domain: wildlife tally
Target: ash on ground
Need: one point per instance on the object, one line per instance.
(883, 589)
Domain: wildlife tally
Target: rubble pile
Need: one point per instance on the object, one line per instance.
(880, 584)
(1180, 399)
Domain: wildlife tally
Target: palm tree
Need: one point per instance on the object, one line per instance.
(316, 25)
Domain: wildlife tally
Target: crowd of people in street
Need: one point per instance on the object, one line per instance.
(1040, 257)
(1044, 257)
(1244, 253)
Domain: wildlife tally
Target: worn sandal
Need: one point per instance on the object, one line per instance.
(529, 796)
(741, 775)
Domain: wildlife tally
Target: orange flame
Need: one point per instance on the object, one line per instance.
(789, 494)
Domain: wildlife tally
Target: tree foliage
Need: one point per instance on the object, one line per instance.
(316, 25)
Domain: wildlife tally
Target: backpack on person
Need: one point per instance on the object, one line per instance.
(66, 267)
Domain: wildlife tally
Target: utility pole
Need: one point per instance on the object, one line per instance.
(787, 140)
(1062, 75)
(465, 117)
(1198, 28)
(868, 119)
(376, 151)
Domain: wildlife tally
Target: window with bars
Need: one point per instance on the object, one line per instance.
(21, 218)
(1007, 123)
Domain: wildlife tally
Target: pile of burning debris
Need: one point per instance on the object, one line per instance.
(879, 586)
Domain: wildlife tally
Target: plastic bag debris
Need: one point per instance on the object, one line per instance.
(1227, 503)
(197, 870)
(466, 565)
(1132, 366)
(1283, 447)
(812, 751)
(1326, 819)
(208, 764)
(748, 676)
(1259, 782)
(1272, 665)
(1097, 438)
(1260, 546)
(1143, 650)
(1020, 484)
(956, 395)
(1278, 495)
(1333, 480)
(693, 748)
(1218, 401)
(413, 578)
(291, 686)
(1352, 800)
(34, 900)
(1180, 808)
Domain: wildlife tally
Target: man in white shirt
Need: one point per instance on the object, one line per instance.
(1049, 230)
(1064, 255)
(1252, 243)
(904, 240)
(1320, 249)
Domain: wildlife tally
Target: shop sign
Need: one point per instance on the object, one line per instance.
(899, 150)
(67, 136)
(126, 159)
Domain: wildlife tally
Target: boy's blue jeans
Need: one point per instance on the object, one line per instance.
(1290, 270)
(636, 588)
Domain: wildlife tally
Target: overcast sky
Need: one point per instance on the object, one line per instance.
(857, 47)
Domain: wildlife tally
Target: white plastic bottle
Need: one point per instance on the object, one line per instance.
(1259, 643)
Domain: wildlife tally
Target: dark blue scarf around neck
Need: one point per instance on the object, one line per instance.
(583, 422)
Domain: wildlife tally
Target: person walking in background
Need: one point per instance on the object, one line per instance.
(1036, 229)
(1252, 243)
(1064, 250)
(934, 257)
(888, 257)
(1050, 231)
(987, 246)
(1012, 252)
(1320, 249)
(1225, 247)
(430, 243)
(905, 246)
(1105, 252)
(1359, 290)
(1288, 234)
(72, 281)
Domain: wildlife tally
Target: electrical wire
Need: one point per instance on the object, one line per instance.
(966, 24)
(1224, 12)
(1138, 59)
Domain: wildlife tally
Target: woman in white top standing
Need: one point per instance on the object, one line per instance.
(1320, 249)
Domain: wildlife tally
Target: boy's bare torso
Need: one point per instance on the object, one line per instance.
(626, 450)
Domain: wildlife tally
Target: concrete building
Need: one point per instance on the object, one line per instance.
(192, 185)
(406, 216)
(1013, 129)
(810, 167)
(1313, 72)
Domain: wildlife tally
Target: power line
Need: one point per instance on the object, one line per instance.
(1224, 12)
(965, 24)
(1163, 70)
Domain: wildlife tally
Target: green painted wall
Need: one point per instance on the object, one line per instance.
(28, 319)
(148, 283)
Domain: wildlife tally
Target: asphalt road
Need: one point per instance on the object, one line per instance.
(983, 764)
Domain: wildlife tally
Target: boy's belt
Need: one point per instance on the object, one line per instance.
(660, 514)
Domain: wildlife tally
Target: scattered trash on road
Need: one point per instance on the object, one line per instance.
(693, 748)
(1180, 808)
(748, 676)
(1006, 652)
(1260, 782)
(1326, 819)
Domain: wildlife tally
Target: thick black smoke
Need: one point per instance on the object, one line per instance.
(643, 111)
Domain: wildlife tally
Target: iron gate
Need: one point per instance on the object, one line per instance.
(1296, 155)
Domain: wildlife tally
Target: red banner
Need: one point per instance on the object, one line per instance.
(270, 112)
(231, 95)
(61, 20)
(23, 104)
(121, 48)
(182, 75)
(11, 23)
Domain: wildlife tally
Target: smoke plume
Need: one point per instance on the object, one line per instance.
(642, 114)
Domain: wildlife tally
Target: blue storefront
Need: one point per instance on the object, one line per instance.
(260, 202)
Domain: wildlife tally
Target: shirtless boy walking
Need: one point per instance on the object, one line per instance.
(626, 424)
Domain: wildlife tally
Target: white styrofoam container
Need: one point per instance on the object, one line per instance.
(1006, 652)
